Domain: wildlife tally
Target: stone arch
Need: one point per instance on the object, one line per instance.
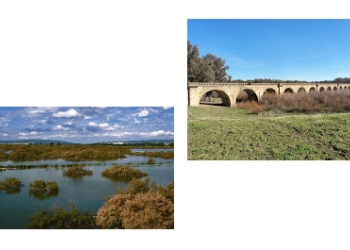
(209, 100)
(345, 87)
(335, 89)
(321, 89)
(301, 90)
(340, 88)
(246, 95)
(288, 90)
(269, 91)
(329, 89)
(312, 89)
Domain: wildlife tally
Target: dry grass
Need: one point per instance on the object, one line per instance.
(122, 173)
(140, 206)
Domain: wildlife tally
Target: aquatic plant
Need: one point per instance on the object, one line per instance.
(151, 160)
(43, 189)
(11, 185)
(59, 218)
(122, 173)
(76, 172)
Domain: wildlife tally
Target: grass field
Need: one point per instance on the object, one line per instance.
(223, 133)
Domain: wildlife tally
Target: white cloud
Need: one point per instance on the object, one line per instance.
(123, 134)
(25, 134)
(136, 121)
(167, 107)
(86, 117)
(59, 127)
(39, 110)
(93, 124)
(68, 113)
(114, 127)
(157, 133)
(4, 134)
(143, 112)
(101, 125)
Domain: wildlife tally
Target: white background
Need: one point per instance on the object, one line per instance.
(109, 53)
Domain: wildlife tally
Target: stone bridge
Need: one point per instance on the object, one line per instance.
(228, 92)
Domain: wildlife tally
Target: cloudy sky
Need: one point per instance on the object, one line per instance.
(87, 124)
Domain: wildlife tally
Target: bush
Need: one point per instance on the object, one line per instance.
(122, 173)
(140, 206)
(252, 106)
(150, 160)
(76, 172)
(327, 101)
(43, 189)
(59, 218)
(11, 185)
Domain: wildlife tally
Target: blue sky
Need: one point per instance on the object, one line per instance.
(87, 124)
(286, 49)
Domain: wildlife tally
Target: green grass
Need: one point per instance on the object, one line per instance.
(222, 133)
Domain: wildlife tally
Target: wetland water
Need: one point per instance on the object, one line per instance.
(88, 193)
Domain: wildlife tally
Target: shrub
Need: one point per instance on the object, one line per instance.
(43, 189)
(76, 172)
(150, 160)
(122, 173)
(139, 207)
(336, 101)
(11, 185)
(59, 218)
(252, 106)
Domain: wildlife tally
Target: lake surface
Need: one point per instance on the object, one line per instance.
(88, 193)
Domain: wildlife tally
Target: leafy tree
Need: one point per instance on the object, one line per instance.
(209, 68)
(193, 62)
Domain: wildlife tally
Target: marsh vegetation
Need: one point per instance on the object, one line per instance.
(43, 189)
(11, 185)
(76, 172)
(139, 206)
(60, 218)
(53, 205)
(122, 173)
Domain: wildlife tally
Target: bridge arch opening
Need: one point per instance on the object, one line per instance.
(312, 89)
(335, 89)
(215, 97)
(269, 97)
(345, 87)
(321, 89)
(329, 89)
(289, 91)
(340, 88)
(301, 90)
(246, 95)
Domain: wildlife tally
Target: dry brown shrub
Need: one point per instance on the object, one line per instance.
(150, 210)
(252, 106)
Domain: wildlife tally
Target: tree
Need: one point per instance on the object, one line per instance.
(209, 68)
(193, 62)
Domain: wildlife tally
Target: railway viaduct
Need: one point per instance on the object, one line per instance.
(228, 92)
